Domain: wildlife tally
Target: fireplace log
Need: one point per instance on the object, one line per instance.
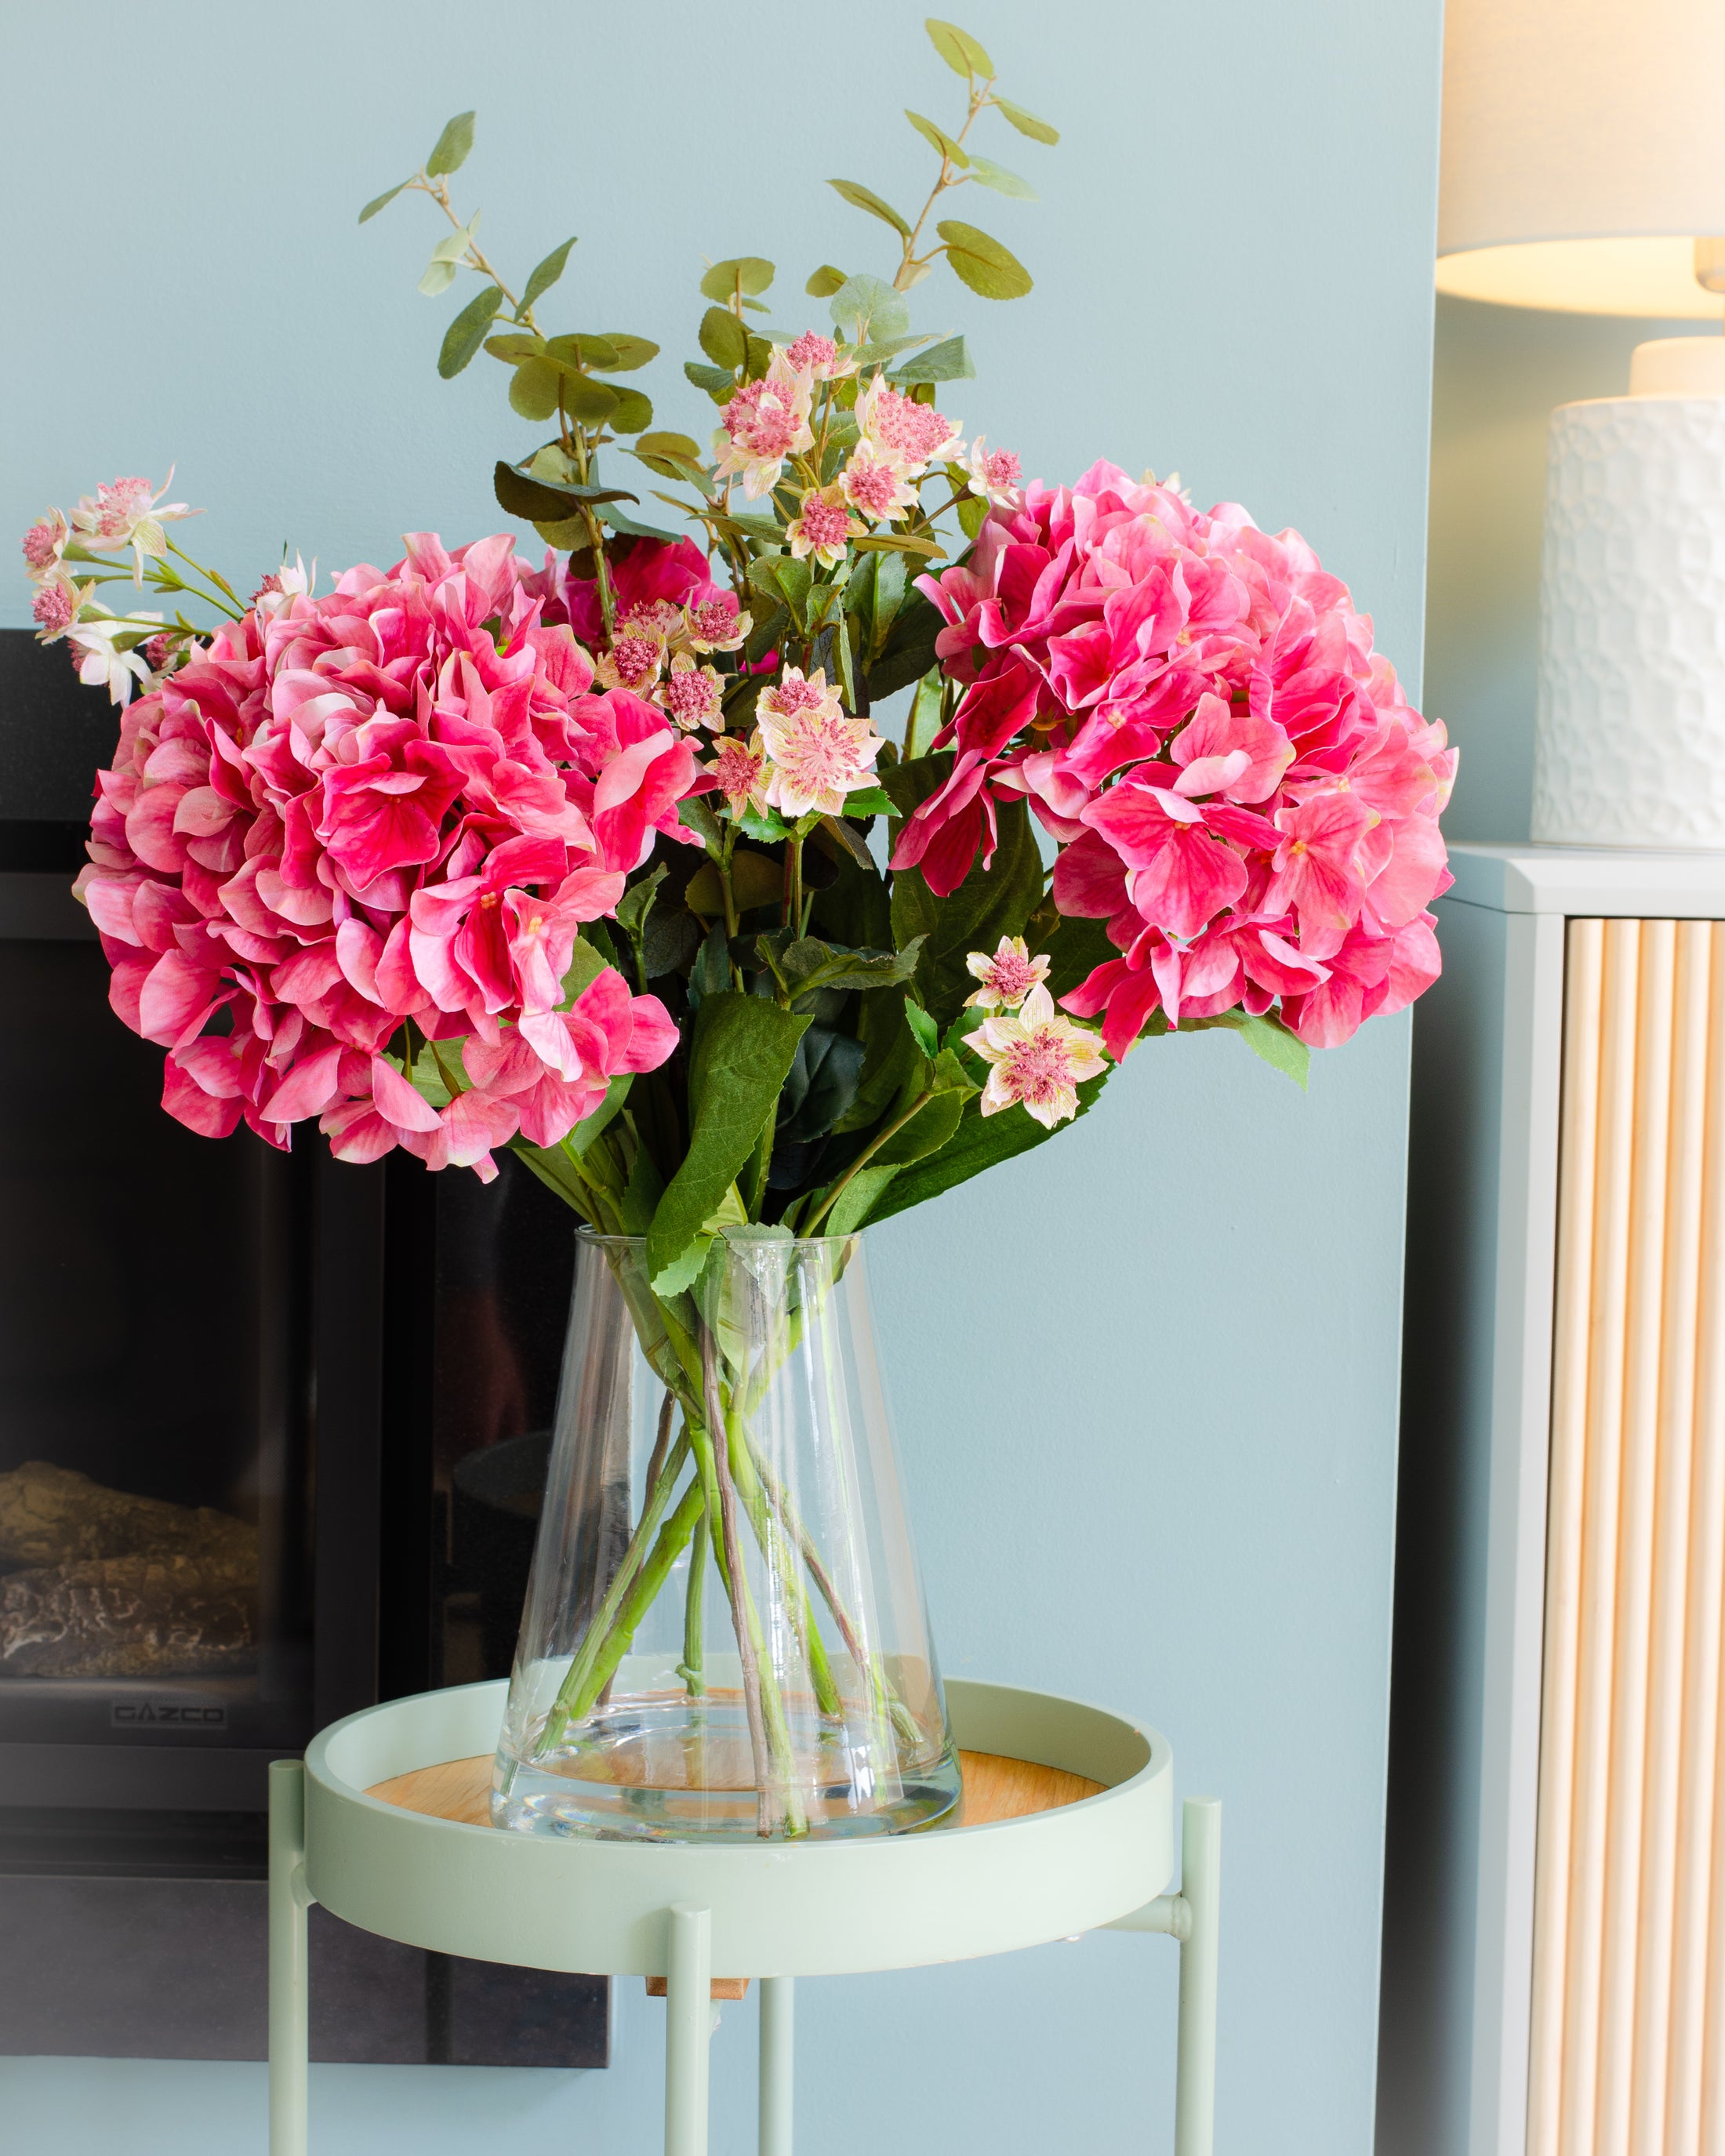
(128, 1617)
(52, 1516)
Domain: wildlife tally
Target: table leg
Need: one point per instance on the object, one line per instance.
(688, 2028)
(778, 2006)
(288, 2005)
(1201, 1890)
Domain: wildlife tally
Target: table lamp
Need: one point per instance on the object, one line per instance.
(1584, 169)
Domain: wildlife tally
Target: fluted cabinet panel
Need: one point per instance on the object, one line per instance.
(1628, 2010)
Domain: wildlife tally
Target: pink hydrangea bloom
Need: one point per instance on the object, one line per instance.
(399, 801)
(643, 572)
(1194, 709)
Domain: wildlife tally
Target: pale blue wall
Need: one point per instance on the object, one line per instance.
(1147, 1380)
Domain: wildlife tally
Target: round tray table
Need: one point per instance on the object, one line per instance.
(1066, 1826)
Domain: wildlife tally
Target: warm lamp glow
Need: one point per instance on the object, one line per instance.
(1584, 151)
(1650, 277)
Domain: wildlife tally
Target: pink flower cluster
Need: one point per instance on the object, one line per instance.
(1195, 710)
(396, 802)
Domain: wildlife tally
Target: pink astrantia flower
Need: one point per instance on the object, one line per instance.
(716, 625)
(877, 487)
(124, 513)
(765, 423)
(995, 475)
(633, 660)
(55, 606)
(693, 694)
(820, 358)
(44, 543)
(1193, 709)
(1037, 1058)
(399, 800)
(644, 572)
(902, 433)
(1007, 975)
(819, 752)
(740, 769)
(823, 527)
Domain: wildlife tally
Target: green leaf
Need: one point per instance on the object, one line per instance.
(742, 1050)
(747, 273)
(674, 449)
(628, 352)
(928, 1130)
(724, 339)
(586, 961)
(908, 653)
(959, 50)
(467, 332)
(591, 403)
(946, 362)
(822, 286)
(641, 1193)
(857, 1200)
(938, 138)
(973, 513)
(756, 879)
(810, 964)
(1002, 182)
(527, 498)
(589, 1127)
(452, 146)
(1027, 123)
(712, 379)
(438, 276)
(980, 1143)
(870, 801)
(631, 409)
(381, 202)
(556, 1171)
(991, 270)
(925, 709)
(1269, 1038)
(546, 274)
(1075, 950)
(924, 1031)
(861, 197)
(578, 351)
(534, 388)
(778, 577)
(990, 903)
(822, 1084)
(872, 305)
(711, 973)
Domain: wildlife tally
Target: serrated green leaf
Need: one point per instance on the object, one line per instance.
(628, 352)
(949, 361)
(383, 201)
(961, 52)
(741, 1054)
(1027, 123)
(822, 286)
(938, 138)
(546, 274)
(1272, 1041)
(861, 197)
(467, 332)
(857, 1200)
(924, 1031)
(869, 801)
(980, 1143)
(747, 273)
(991, 270)
(934, 1123)
(453, 145)
(1002, 182)
(724, 339)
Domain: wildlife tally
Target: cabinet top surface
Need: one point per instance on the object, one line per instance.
(1627, 881)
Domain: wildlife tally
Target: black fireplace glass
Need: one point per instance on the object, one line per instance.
(155, 1584)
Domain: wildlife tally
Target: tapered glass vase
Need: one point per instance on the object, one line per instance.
(725, 1635)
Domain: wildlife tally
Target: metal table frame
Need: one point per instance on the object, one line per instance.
(690, 1911)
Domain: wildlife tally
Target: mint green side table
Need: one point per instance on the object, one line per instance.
(688, 1912)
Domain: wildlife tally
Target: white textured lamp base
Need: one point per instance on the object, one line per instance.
(1630, 749)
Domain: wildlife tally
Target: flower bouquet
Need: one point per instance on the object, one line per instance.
(609, 860)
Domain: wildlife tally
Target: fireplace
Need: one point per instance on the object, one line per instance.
(272, 1439)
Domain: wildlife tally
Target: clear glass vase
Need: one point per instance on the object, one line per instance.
(724, 1634)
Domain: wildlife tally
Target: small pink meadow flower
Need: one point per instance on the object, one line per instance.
(824, 527)
(55, 607)
(693, 694)
(1039, 1060)
(903, 432)
(124, 513)
(44, 542)
(1008, 976)
(819, 752)
(714, 625)
(876, 487)
(820, 358)
(741, 768)
(633, 662)
(996, 475)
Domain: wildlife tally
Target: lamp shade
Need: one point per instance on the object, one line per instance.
(1584, 152)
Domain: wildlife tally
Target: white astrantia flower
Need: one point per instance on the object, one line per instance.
(97, 636)
(123, 512)
(1007, 975)
(1040, 1058)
